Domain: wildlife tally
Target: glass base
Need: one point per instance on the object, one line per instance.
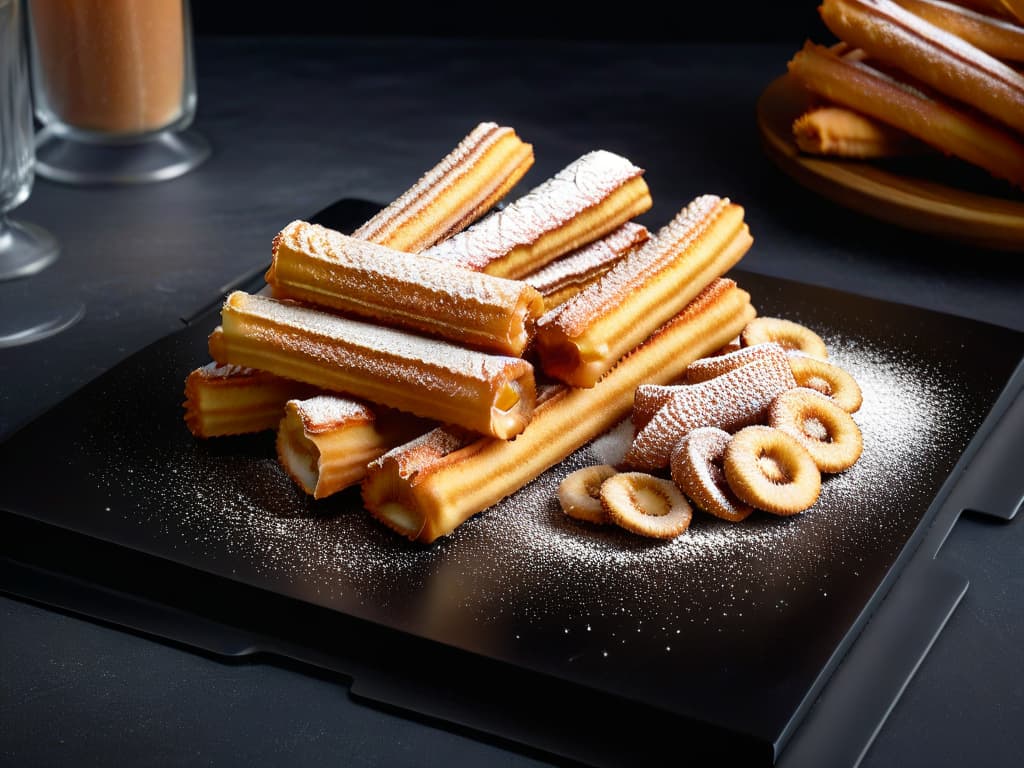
(160, 157)
(25, 249)
(40, 325)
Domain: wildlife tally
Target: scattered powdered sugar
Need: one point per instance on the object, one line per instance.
(226, 506)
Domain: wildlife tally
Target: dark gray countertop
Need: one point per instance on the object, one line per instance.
(297, 124)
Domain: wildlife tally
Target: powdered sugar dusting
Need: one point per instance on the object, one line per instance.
(325, 411)
(376, 352)
(384, 280)
(730, 401)
(506, 572)
(628, 275)
(429, 187)
(584, 262)
(580, 185)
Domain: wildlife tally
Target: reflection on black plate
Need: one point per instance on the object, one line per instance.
(729, 625)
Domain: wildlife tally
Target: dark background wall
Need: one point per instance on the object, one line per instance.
(714, 20)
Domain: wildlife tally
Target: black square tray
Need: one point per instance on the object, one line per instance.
(726, 637)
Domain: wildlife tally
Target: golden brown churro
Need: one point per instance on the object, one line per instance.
(996, 36)
(932, 55)
(427, 488)
(592, 196)
(952, 131)
(730, 401)
(582, 339)
(454, 193)
(234, 400)
(490, 394)
(563, 278)
(325, 442)
(321, 266)
(844, 133)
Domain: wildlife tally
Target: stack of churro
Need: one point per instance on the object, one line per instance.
(912, 74)
(443, 356)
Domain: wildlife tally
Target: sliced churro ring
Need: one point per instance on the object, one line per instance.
(568, 275)
(319, 265)
(826, 431)
(580, 340)
(786, 333)
(646, 505)
(234, 400)
(427, 488)
(463, 186)
(490, 394)
(951, 130)
(769, 470)
(930, 54)
(829, 379)
(994, 35)
(715, 365)
(730, 401)
(579, 493)
(696, 466)
(841, 132)
(592, 196)
(325, 442)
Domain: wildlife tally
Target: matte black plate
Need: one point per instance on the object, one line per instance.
(729, 630)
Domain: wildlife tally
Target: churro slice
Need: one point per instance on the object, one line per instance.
(844, 133)
(995, 36)
(589, 198)
(563, 278)
(425, 489)
(730, 401)
(646, 505)
(319, 265)
(582, 339)
(467, 183)
(325, 442)
(225, 400)
(930, 54)
(490, 394)
(952, 131)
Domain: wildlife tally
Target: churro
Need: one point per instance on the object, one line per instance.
(995, 36)
(582, 339)
(467, 182)
(325, 267)
(325, 442)
(563, 278)
(844, 133)
(932, 55)
(730, 401)
(950, 130)
(225, 400)
(425, 489)
(490, 394)
(592, 196)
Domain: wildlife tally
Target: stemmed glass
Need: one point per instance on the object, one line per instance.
(25, 248)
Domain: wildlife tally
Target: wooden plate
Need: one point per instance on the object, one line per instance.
(937, 195)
